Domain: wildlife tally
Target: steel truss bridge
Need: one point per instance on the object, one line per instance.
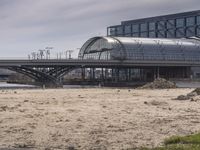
(49, 71)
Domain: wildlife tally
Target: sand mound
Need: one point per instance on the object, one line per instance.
(159, 83)
(193, 96)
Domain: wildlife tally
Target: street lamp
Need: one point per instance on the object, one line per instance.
(70, 54)
(33, 54)
(48, 52)
(41, 53)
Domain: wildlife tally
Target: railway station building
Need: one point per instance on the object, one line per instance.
(170, 38)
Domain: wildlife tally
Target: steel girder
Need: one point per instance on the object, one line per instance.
(43, 75)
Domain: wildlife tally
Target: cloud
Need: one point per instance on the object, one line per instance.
(27, 25)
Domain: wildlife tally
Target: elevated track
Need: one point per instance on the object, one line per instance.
(49, 71)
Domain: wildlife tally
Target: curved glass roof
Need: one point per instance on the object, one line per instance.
(130, 48)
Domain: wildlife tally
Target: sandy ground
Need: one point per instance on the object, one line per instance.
(95, 119)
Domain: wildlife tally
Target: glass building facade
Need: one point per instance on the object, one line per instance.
(143, 49)
(170, 26)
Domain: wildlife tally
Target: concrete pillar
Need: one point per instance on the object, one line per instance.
(158, 72)
(83, 73)
(93, 73)
(102, 74)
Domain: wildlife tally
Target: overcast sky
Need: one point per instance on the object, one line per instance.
(29, 25)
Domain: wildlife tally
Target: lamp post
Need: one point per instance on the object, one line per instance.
(70, 54)
(48, 52)
(41, 53)
(33, 54)
(66, 54)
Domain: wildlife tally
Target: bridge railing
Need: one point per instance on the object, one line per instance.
(26, 58)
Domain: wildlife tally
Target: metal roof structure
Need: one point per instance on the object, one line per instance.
(143, 49)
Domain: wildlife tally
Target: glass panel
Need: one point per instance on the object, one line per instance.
(198, 20)
(127, 29)
(180, 33)
(143, 27)
(180, 23)
(170, 34)
(98, 46)
(190, 21)
(135, 34)
(190, 32)
(112, 31)
(143, 34)
(135, 28)
(128, 35)
(152, 26)
(161, 25)
(198, 31)
(152, 34)
(161, 34)
(170, 24)
(105, 55)
(119, 30)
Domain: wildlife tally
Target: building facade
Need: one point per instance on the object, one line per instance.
(142, 49)
(180, 25)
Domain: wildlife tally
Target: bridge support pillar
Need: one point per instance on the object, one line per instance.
(83, 73)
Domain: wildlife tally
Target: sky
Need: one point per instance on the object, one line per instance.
(29, 25)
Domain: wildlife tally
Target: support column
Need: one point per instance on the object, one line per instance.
(129, 74)
(126, 74)
(102, 74)
(83, 73)
(158, 72)
(93, 73)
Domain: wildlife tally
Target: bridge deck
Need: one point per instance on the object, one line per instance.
(94, 63)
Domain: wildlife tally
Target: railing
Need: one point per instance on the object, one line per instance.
(26, 58)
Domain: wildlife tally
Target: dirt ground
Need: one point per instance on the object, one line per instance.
(94, 118)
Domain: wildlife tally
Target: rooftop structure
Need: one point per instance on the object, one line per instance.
(179, 25)
(146, 49)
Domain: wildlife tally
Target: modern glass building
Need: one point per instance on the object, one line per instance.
(144, 49)
(171, 39)
(169, 26)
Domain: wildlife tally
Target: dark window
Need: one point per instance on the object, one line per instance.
(127, 29)
(190, 32)
(198, 31)
(170, 24)
(152, 26)
(190, 21)
(135, 34)
(135, 28)
(128, 35)
(143, 34)
(112, 31)
(143, 27)
(152, 34)
(161, 25)
(180, 23)
(119, 30)
(198, 20)
(180, 33)
(161, 34)
(170, 33)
